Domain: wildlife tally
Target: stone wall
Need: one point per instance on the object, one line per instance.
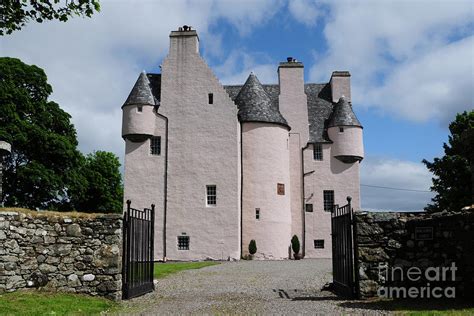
(426, 242)
(70, 252)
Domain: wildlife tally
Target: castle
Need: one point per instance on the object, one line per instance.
(228, 164)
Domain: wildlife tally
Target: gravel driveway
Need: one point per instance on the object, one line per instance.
(247, 287)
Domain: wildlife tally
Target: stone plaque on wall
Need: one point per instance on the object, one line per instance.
(280, 189)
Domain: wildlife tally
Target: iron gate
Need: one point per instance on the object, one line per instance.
(138, 236)
(344, 262)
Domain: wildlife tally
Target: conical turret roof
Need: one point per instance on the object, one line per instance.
(255, 105)
(141, 92)
(343, 115)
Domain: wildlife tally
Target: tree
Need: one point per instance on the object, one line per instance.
(103, 190)
(45, 169)
(453, 172)
(44, 145)
(16, 13)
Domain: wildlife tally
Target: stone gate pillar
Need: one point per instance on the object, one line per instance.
(5, 149)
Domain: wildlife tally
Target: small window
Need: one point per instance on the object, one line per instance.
(211, 192)
(341, 129)
(139, 108)
(309, 208)
(183, 242)
(257, 213)
(211, 98)
(319, 244)
(328, 200)
(318, 152)
(280, 189)
(155, 146)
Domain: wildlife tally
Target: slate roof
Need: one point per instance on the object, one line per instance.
(343, 115)
(319, 106)
(255, 105)
(322, 113)
(141, 92)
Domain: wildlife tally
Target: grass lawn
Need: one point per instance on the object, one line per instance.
(164, 269)
(46, 303)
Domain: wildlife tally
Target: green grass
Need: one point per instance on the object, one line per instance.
(46, 303)
(164, 269)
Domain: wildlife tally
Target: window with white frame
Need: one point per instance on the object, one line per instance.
(211, 195)
(155, 145)
(319, 243)
(318, 152)
(183, 242)
(328, 196)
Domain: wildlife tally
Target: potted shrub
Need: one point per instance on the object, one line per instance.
(252, 248)
(295, 245)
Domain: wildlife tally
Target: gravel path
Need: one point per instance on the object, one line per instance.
(248, 287)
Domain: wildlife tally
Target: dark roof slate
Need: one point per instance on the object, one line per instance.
(343, 115)
(141, 92)
(255, 105)
(319, 110)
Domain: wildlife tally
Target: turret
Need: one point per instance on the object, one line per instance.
(345, 130)
(266, 213)
(138, 117)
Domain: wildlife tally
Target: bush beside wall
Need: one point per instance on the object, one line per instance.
(79, 253)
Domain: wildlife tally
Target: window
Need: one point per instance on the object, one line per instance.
(257, 213)
(211, 191)
(211, 98)
(309, 207)
(318, 152)
(341, 129)
(183, 242)
(280, 189)
(155, 145)
(139, 108)
(319, 244)
(328, 200)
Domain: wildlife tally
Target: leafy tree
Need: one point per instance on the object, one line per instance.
(103, 191)
(45, 169)
(44, 144)
(16, 13)
(453, 172)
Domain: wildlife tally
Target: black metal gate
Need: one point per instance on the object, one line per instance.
(138, 236)
(344, 251)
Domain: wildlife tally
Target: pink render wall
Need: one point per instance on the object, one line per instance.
(265, 164)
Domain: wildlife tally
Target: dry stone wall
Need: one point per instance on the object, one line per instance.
(393, 247)
(78, 253)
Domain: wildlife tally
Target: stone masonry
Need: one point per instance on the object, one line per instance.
(419, 240)
(79, 253)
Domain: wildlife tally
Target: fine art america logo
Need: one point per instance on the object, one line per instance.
(416, 282)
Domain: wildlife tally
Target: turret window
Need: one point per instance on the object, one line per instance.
(139, 108)
(155, 146)
(318, 152)
(257, 213)
(341, 129)
(211, 98)
(211, 192)
(328, 196)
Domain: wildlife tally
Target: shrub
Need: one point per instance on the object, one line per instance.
(295, 244)
(252, 247)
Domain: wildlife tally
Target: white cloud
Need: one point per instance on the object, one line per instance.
(93, 63)
(392, 173)
(405, 57)
(305, 11)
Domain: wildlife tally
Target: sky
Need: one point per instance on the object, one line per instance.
(411, 65)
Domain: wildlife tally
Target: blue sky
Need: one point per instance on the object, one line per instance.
(411, 63)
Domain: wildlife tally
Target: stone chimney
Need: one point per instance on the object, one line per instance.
(340, 85)
(184, 41)
(292, 100)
